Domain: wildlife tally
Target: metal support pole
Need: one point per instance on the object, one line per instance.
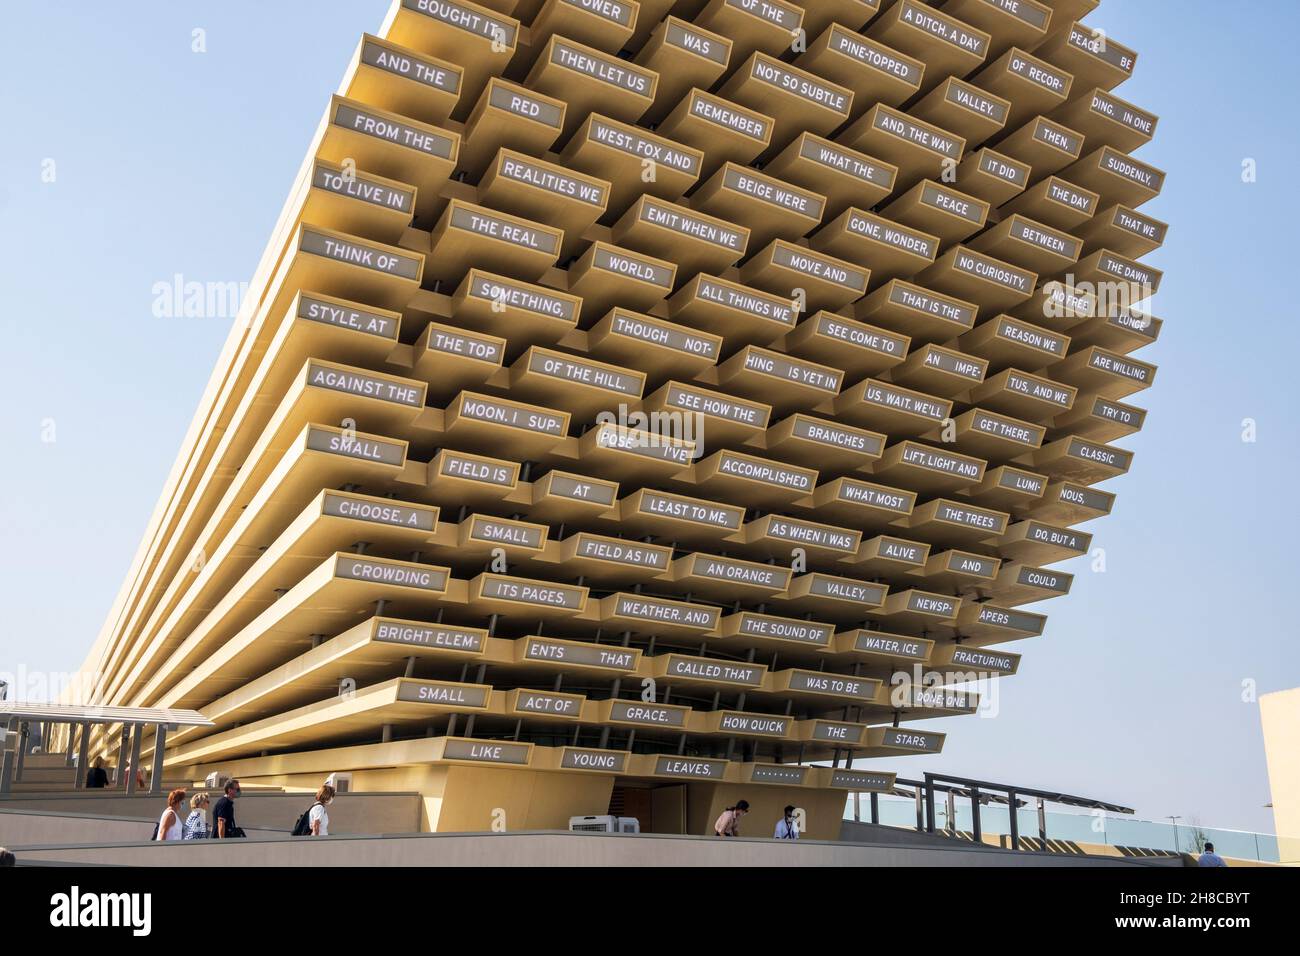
(1042, 824)
(122, 754)
(83, 756)
(24, 735)
(137, 731)
(857, 807)
(1015, 824)
(7, 772)
(920, 813)
(976, 832)
(9, 744)
(67, 747)
(929, 805)
(950, 803)
(875, 808)
(156, 773)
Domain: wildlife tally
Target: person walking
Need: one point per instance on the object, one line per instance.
(169, 824)
(196, 824)
(787, 827)
(728, 822)
(223, 813)
(97, 776)
(319, 819)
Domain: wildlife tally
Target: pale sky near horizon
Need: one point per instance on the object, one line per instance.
(169, 162)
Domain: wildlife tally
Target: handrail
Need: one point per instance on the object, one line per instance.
(972, 787)
(1052, 796)
(980, 792)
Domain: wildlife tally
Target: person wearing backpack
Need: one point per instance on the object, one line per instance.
(319, 820)
(316, 820)
(169, 825)
(223, 813)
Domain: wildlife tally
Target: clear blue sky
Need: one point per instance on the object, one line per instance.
(169, 161)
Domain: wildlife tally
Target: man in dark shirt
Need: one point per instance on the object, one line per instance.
(97, 776)
(223, 813)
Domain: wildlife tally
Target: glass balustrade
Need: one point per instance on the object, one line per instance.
(1080, 828)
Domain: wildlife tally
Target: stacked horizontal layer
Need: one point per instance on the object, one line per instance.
(657, 390)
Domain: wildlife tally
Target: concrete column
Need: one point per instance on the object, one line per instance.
(156, 774)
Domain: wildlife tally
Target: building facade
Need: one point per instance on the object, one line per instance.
(1280, 715)
(640, 406)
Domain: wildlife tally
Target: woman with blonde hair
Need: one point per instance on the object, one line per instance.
(196, 824)
(169, 824)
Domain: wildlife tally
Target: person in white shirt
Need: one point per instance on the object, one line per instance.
(169, 824)
(787, 827)
(319, 817)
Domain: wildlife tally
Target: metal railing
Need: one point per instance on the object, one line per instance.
(1070, 829)
(981, 793)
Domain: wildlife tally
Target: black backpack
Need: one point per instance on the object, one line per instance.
(153, 837)
(303, 826)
